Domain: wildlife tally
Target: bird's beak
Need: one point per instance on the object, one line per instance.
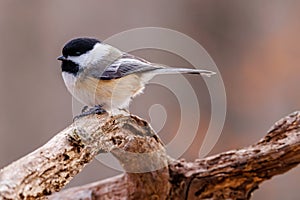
(61, 58)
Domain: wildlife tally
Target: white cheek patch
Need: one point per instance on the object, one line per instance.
(91, 57)
(81, 60)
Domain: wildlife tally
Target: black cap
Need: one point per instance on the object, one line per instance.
(79, 46)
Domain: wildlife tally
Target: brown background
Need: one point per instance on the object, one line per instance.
(255, 45)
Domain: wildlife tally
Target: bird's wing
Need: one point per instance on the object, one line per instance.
(127, 64)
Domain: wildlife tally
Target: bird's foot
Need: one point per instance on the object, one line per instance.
(84, 109)
(98, 110)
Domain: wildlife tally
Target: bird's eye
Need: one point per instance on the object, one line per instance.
(78, 53)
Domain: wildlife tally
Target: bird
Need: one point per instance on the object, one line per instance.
(105, 78)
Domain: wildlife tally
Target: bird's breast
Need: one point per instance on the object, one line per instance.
(114, 93)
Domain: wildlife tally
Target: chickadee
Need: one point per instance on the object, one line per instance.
(96, 73)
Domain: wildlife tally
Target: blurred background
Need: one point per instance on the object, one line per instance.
(255, 44)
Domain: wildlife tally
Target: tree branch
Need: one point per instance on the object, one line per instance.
(53, 165)
(236, 174)
(230, 175)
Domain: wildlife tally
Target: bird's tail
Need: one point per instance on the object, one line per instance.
(169, 70)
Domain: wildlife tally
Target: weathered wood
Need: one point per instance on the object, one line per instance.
(230, 175)
(53, 165)
(236, 174)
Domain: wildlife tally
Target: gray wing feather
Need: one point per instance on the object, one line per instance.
(126, 65)
(129, 64)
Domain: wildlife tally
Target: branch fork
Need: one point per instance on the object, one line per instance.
(149, 172)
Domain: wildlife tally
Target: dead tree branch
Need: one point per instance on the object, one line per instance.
(230, 175)
(53, 165)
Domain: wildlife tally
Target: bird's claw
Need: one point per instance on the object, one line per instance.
(98, 110)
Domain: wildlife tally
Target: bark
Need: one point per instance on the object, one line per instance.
(150, 174)
(52, 166)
